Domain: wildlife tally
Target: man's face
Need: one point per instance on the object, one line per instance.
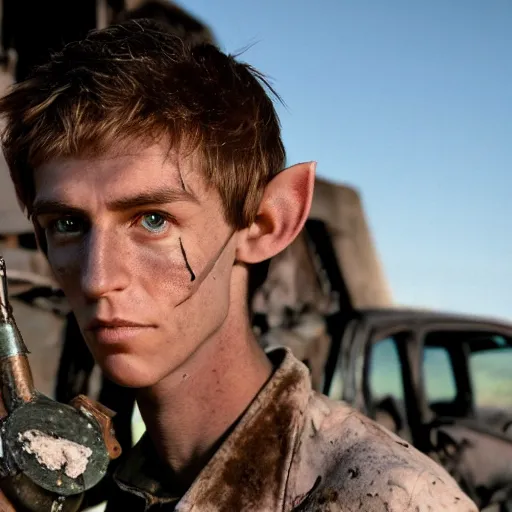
(142, 250)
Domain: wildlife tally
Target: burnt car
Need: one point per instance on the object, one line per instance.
(442, 382)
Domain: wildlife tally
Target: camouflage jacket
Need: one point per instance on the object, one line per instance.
(296, 450)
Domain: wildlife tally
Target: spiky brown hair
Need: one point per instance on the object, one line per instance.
(136, 81)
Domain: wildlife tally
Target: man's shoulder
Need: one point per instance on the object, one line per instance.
(353, 461)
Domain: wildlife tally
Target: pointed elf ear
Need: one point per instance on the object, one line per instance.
(282, 213)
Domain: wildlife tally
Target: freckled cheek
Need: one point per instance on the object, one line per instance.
(163, 272)
(65, 264)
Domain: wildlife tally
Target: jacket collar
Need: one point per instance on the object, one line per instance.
(249, 471)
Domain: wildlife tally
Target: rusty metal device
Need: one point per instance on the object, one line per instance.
(27, 478)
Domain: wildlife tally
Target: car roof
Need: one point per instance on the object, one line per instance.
(383, 316)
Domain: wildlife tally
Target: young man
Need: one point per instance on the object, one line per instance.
(153, 173)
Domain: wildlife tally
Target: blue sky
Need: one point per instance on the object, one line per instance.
(411, 102)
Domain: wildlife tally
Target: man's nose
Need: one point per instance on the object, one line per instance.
(105, 268)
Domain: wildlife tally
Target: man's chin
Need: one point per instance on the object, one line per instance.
(124, 370)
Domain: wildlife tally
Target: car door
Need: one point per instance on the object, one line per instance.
(467, 374)
(386, 380)
(468, 393)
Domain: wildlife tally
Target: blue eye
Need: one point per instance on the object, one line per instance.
(67, 226)
(154, 222)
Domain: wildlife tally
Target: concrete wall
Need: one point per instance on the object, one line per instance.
(341, 207)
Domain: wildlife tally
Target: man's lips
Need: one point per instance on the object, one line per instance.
(116, 330)
(112, 323)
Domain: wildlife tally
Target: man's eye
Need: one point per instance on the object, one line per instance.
(154, 222)
(67, 226)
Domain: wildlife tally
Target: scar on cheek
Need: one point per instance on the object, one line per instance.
(189, 268)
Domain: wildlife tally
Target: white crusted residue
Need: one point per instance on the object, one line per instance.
(55, 453)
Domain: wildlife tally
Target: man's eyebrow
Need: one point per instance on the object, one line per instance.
(155, 197)
(53, 206)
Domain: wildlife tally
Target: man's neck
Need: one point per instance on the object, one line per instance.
(187, 415)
